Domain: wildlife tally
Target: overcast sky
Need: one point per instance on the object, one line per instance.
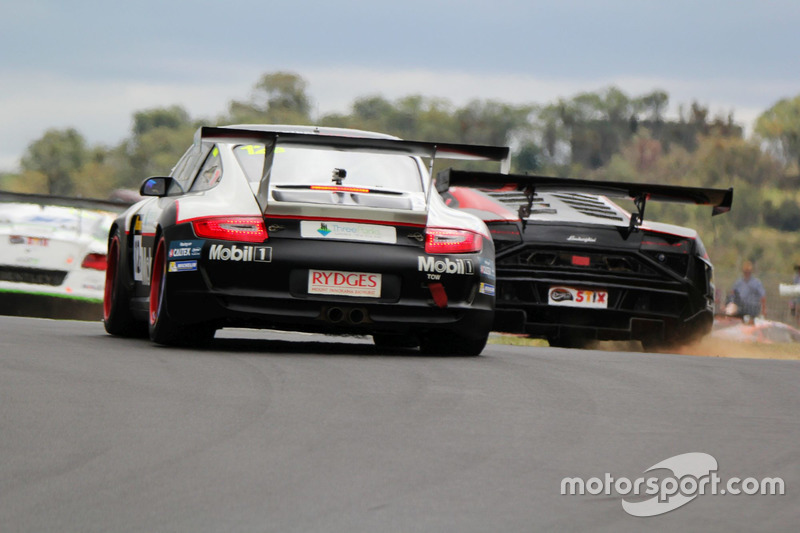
(90, 64)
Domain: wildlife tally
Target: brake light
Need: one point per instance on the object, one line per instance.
(94, 261)
(338, 188)
(246, 229)
(452, 241)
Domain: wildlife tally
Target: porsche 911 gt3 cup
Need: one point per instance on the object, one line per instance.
(308, 229)
(573, 266)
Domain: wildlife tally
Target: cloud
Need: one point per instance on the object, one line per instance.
(101, 110)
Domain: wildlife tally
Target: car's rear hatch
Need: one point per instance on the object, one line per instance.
(349, 177)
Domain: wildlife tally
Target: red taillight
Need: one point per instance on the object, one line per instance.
(452, 241)
(94, 261)
(246, 229)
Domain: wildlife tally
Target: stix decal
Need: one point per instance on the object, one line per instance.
(225, 252)
(572, 297)
(436, 267)
(182, 266)
(188, 249)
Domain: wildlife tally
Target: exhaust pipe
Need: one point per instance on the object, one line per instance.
(334, 314)
(356, 316)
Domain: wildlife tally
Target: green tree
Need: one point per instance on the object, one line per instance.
(278, 98)
(58, 155)
(528, 158)
(492, 122)
(653, 105)
(160, 137)
(173, 117)
(780, 126)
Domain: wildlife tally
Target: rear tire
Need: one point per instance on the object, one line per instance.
(117, 317)
(162, 328)
(447, 343)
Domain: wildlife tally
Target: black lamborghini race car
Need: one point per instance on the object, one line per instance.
(572, 266)
(302, 228)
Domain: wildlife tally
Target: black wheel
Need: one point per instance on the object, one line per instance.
(117, 317)
(395, 340)
(162, 328)
(443, 343)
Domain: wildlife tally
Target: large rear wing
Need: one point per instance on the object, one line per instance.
(114, 206)
(431, 150)
(375, 144)
(720, 199)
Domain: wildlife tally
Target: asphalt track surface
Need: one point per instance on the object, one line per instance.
(265, 431)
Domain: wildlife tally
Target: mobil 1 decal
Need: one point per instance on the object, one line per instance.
(240, 253)
(434, 267)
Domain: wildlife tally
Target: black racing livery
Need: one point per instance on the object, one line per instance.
(572, 266)
(307, 229)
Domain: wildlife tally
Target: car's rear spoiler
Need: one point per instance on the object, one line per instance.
(429, 150)
(419, 148)
(114, 206)
(640, 193)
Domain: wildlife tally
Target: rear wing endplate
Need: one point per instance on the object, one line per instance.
(720, 199)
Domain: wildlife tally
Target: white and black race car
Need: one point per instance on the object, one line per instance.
(52, 246)
(572, 266)
(302, 228)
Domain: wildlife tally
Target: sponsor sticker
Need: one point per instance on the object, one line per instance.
(486, 288)
(347, 231)
(234, 252)
(487, 268)
(182, 266)
(142, 260)
(186, 249)
(581, 238)
(435, 267)
(570, 297)
(362, 284)
(30, 241)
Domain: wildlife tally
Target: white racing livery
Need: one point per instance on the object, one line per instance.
(54, 250)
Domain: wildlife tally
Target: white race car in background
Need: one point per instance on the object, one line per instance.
(54, 246)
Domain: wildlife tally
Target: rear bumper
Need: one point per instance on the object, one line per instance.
(672, 312)
(267, 286)
(599, 325)
(335, 316)
(83, 284)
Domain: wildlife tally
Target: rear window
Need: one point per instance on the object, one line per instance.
(311, 165)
